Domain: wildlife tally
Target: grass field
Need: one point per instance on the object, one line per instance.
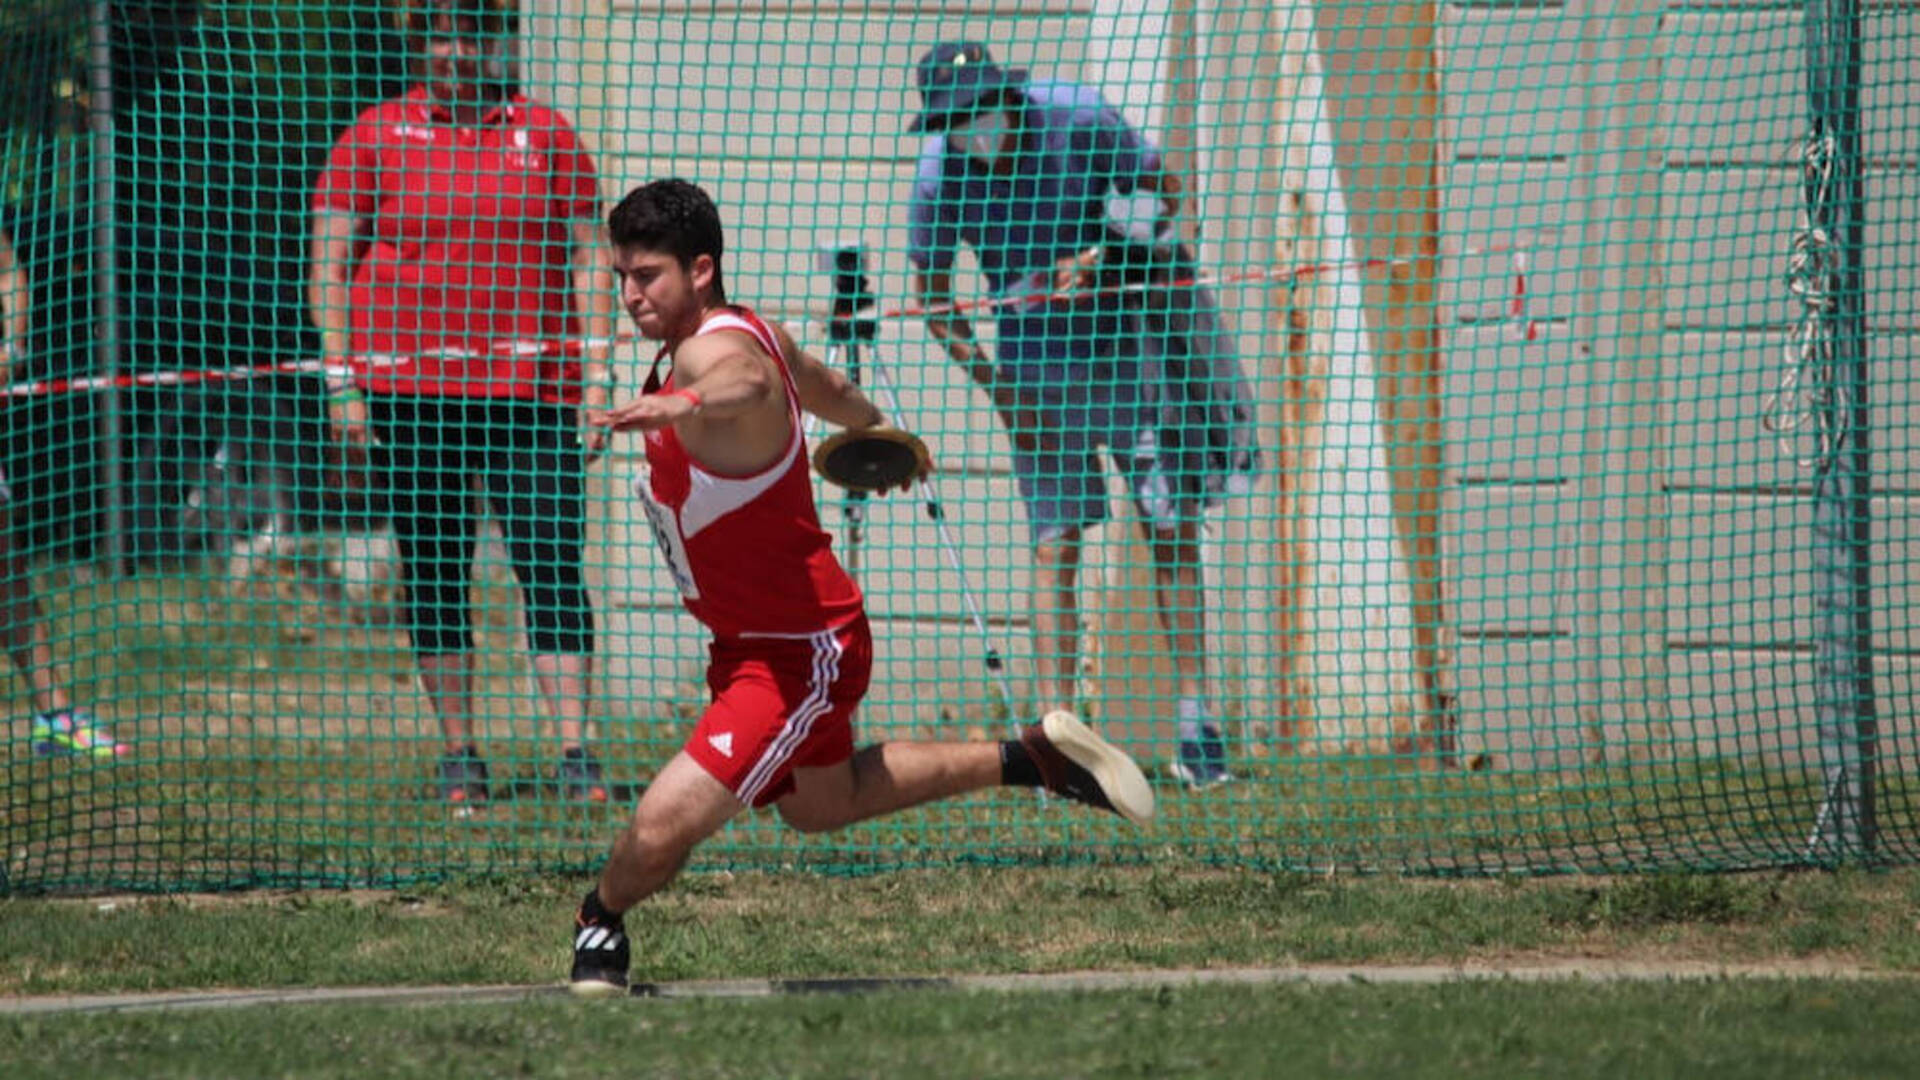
(1683, 1030)
(284, 764)
(486, 932)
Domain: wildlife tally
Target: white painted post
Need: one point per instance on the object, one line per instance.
(1619, 508)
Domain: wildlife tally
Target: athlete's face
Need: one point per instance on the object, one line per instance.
(664, 297)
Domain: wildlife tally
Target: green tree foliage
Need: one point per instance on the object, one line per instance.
(222, 112)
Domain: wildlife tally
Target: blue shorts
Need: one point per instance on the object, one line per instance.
(1065, 485)
(1081, 363)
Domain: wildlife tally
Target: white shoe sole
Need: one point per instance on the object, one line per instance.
(596, 990)
(1125, 785)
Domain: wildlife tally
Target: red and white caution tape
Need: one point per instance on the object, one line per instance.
(1520, 321)
(43, 387)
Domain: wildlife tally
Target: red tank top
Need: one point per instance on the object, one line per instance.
(747, 552)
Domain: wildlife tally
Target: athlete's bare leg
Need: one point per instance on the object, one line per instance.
(885, 778)
(682, 807)
(685, 805)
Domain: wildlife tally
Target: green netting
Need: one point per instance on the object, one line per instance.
(1573, 341)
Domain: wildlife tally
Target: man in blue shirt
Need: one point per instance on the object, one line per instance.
(1039, 178)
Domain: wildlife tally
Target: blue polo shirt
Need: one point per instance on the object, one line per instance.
(1075, 149)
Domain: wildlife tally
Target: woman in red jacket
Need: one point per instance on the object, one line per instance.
(458, 273)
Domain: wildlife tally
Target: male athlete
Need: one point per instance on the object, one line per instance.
(731, 504)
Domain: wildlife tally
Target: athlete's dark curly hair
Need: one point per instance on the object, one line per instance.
(671, 216)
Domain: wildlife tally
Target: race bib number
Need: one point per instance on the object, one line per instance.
(666, 533)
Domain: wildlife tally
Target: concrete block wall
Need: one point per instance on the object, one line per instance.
(1728, 515)
(1616, 525)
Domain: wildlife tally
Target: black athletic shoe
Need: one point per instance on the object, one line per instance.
(1080, 765)
(463, 780)
(601, 957)
(580, 779)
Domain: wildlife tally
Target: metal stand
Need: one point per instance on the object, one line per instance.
(845, 332)
(853, 326)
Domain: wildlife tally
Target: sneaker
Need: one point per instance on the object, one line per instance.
(75, 732)
(1202, 762)
(463, 780)
(580, 779)
(601, 957)
(1080, 765)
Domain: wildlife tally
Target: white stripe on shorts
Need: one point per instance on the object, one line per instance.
(817, 703)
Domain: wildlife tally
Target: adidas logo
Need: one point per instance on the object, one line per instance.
(596, 937)
(722, 742)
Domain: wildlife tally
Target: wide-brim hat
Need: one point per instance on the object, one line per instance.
(958, 79)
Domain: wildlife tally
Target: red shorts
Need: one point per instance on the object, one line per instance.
(779, 704)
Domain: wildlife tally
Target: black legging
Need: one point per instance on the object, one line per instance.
(527, 457)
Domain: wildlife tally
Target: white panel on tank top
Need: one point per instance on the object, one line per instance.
(714, 497)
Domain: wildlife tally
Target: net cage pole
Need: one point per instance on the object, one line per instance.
(1830, 279)
(106, 258)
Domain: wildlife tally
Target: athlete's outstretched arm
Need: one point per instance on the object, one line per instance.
(825, 392)
(717, 377)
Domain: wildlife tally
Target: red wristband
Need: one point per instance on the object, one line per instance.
(691, 396)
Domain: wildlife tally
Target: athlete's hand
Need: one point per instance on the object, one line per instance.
(648, 412)
(593, 437)
(923, 468)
